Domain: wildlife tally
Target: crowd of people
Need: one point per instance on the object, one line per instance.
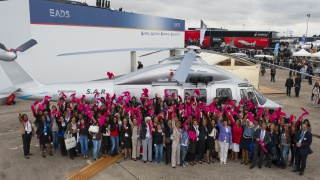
(168, 130)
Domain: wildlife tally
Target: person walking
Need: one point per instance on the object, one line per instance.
(303, 140)
(289, 85)
(315, 92)
(273, 73)
(297, 85)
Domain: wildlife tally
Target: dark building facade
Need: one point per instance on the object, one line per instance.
(214, 37)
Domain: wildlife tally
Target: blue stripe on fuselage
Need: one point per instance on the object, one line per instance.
(25, 96)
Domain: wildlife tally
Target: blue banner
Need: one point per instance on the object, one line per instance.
(276, 49)
(55, 13)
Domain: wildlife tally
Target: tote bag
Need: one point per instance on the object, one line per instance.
(70, 142)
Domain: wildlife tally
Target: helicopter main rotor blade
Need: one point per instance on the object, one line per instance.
(111, 51)
(27, 45)
(178, 49)
(183, 70)
(3, 47)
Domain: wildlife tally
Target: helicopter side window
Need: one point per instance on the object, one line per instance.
(224, 94)
(190, 92)
(252, 97)
(170, 92)
(243, 94)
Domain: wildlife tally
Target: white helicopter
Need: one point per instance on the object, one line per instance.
(177, 74)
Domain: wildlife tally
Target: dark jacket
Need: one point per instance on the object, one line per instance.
(123, 131)
(265, 140)
(143, 130)
(297, 82)
(273, 71)
(305, 143)
(202, 131)
(289, 83)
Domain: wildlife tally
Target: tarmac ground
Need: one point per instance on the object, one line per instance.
(13, 165)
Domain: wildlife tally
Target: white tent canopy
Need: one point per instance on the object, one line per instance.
(262, 56)
(316, 54)
(302, 52)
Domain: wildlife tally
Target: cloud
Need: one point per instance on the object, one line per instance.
(278, 15)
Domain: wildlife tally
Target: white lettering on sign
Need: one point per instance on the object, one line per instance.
(177, 25)
(59, 13)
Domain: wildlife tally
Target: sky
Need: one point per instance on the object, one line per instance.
(278, 15)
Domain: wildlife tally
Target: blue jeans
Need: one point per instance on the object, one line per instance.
(96, 148)
(55, 139)
(115, 145)
(159, 151)
(284, 151)
(84, 144)
(183, 153)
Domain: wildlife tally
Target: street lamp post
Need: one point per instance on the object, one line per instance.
(243, 27)
(308, 15)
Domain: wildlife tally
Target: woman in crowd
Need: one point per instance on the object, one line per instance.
(193, 133)
(315, 93)
(158, 138)
(146, 136)
(168, 142)
(306, 122)
(135, 138)
(236, 137)
(44, 136)
(176, 139)
(126, 133)
(71, 131)
(106, 142)
(225, 138)
(246, 139)
(285, 143)
(114, 136)
(203, 131)
(54, 129)
(272, 145)
(84, 133)
(62, 124)
(212, 133)
(184, 144)
(96, 140)
(27, 132)
(293, 147)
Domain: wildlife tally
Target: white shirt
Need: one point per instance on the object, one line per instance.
(213, 133)
(263, 132)
(27, 127)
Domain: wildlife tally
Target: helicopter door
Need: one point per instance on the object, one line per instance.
(190, 92)
(224, 94)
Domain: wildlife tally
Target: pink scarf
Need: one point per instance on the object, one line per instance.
(150, 127)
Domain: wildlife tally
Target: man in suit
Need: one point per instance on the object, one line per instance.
(263, 135)
(297, 85)
(273, 73)
(303, 140)
(289, 85)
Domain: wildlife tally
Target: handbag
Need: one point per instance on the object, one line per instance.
(168, 140)
(70, 142)
(94, 129)
(274, 154)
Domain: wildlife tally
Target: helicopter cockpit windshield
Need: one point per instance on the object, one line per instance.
(256, 96)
